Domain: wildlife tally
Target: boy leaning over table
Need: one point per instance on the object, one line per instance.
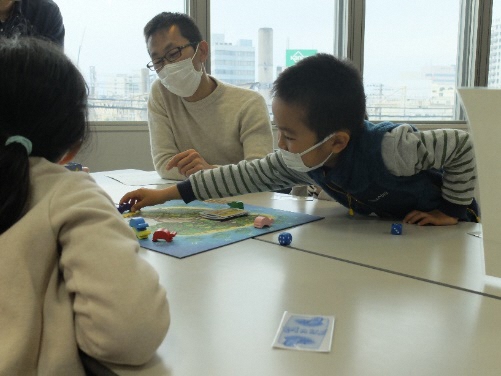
(392, 170)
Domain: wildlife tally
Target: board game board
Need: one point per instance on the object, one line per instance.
(196, 234)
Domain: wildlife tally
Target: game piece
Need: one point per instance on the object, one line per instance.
(73, 166)
(262, 221)
(142, 232)
(163, 233)
(285, 238)
(140, 227)
(236, 204)
(136, 221)
(131, 214)
(396, 229)
(124, 207)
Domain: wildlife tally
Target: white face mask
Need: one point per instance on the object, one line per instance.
(181, 78)
(295, 162)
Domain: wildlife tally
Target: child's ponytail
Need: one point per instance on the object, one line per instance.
(15, 173)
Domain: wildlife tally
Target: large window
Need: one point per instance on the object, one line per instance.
(412, 54)
(105, 39)
(410, 59)
(253, 41)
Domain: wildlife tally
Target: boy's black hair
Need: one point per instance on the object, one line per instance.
(165, 20)
(328, 89)
(43, 97)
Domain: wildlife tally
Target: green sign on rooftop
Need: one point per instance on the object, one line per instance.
(293, 56)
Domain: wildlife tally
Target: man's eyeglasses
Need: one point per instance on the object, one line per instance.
(171, 56)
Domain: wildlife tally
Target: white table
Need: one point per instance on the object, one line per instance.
(442, 254)
(226, 304)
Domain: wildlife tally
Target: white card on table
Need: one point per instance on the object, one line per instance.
(305, 332)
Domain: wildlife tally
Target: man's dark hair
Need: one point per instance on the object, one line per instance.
(165, 20)
(329, 90)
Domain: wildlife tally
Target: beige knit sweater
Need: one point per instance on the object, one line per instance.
(70, 278)
(230, 125)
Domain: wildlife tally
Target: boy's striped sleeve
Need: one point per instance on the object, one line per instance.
(259, 175)
(406, 152)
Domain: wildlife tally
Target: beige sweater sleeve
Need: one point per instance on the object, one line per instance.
(121, 312)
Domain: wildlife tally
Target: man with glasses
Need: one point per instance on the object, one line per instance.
(197, 122)
(39, 18)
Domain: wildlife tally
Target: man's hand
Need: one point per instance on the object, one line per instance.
(434, 217)
(188, 162)
(147, 197)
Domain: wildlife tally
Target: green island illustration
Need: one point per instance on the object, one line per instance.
(186, 220)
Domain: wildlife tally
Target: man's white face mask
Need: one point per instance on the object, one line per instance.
(295, 162)
(181, 78)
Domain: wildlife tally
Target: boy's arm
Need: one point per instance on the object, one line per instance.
(407, 152)
(260, 175)
(148, 197)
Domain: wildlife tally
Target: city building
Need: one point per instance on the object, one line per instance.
(495, 55)
(233, 63)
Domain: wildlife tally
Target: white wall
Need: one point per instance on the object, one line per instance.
(116, 147)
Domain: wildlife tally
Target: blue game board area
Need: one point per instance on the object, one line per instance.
(196, 234)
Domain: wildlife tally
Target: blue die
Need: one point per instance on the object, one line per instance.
(285, 238)
(396, 229)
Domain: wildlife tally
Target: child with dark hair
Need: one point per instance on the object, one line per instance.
(388, 169)
(70, 273)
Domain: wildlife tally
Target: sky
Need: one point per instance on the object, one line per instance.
(399, 35)
(109, 33)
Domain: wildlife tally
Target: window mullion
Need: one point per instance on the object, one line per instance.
(483, 42)
(349, 20)
(356, 29)
(474, 45)
(199, 10)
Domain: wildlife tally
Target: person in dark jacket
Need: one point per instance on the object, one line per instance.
(38, 18)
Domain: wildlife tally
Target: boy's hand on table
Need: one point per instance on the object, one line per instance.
(434, 217)
(147, 197)
(188, 162)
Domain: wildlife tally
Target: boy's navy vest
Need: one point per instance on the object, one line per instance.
(360, 180)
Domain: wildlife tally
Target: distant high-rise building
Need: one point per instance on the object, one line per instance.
(92, 81)
(233, 63)
(265, 62)
(145, 80)
(440, 74)
(265, 55)
(495, 55)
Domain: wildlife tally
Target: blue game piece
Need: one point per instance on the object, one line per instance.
(285, 238)
(396, 229)
(141, 226)
(124, 207)
(73, 166)
(134, 222)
